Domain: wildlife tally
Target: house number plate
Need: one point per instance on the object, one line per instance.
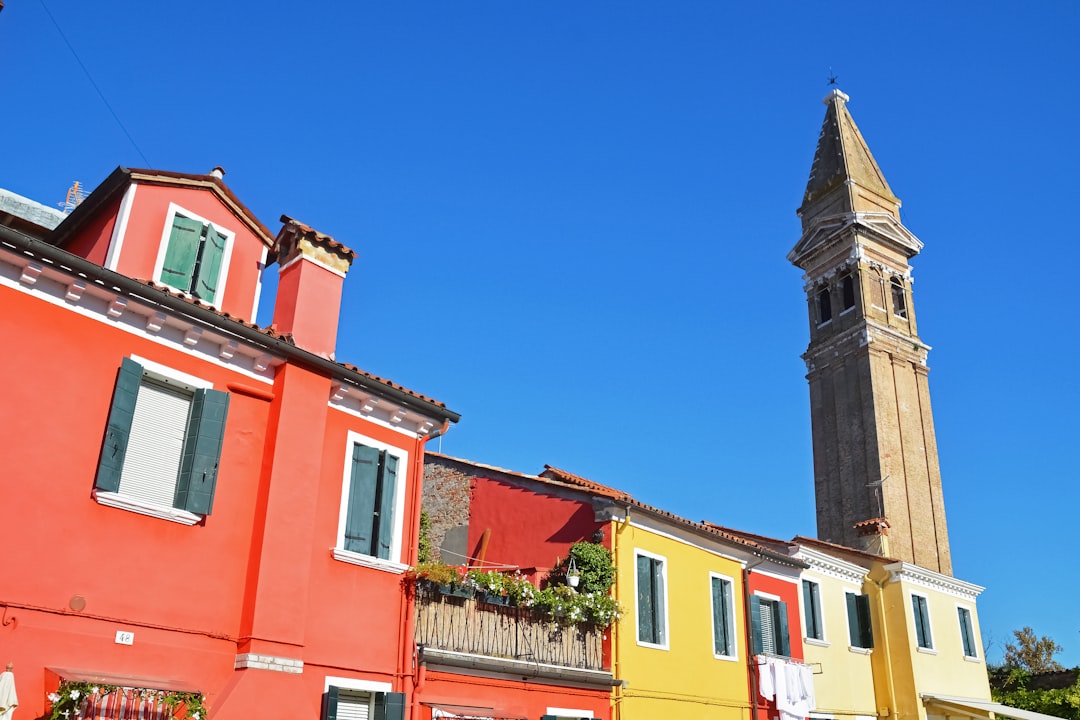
(123, 637)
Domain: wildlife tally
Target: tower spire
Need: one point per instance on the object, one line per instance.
(844, 170)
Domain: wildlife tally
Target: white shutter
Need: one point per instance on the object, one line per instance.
(353, 705)
(768, 629)
(152, 462)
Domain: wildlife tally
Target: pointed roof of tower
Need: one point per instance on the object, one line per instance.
(843, 161)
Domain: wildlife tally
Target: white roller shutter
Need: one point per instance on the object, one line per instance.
(158, 427)
(353, 705)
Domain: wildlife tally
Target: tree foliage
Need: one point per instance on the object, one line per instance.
(1034, 654)
(1012, 687)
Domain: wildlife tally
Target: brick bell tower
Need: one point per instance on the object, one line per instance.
(876, 474)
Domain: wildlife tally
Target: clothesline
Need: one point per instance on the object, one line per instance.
(816, 667)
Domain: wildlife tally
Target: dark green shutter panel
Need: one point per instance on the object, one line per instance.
(210, 266)
(645, 609)
(202, 451)
(852, 619)
(719, 617)
(359, 522)
(118, 427)
(331, 703)
(385, 504)
(181, 253)
(755, 623)
(784, 644)
(866, 630)
(389, 706)
(549, 717)
(659, 614)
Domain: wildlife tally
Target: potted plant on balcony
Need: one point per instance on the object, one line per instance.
(444, 579)
(491, 584)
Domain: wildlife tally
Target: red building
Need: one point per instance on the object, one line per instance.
(192, 502)
(493, 662)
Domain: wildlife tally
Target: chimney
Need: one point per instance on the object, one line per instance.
(312, 269)
(875, 535)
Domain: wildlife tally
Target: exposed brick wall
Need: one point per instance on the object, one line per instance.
(447, 491)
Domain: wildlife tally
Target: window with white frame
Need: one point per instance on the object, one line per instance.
(163, 442)
(349, 699)
(194, 255)
(651, 608)
(769, 621)
(811, 599)
(860, 631)
(723, 616)
(921, 612)
(967, 633)
(373, 499)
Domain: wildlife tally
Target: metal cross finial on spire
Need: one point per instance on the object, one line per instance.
(832, 78)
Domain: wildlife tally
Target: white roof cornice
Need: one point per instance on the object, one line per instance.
(906, 572)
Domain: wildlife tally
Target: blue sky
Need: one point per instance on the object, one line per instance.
(572, 222)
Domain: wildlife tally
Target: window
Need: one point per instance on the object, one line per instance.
(373, 499)
(194, 253)
(847, 285)
(651, 601)
(162, 442)
(922, 622)
(348, 704)
(770, 626)
(811, 598)
(860, 633)
(967, 634)
(824, 306)
(723, 617)
(899, 300)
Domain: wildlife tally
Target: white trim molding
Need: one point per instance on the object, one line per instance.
(906, 572)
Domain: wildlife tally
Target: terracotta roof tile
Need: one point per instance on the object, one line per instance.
(837, 548)
(286, 337)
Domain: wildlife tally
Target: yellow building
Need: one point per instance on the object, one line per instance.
(835, 643)
(896, 640)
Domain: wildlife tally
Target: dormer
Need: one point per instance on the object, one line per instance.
(187, 233)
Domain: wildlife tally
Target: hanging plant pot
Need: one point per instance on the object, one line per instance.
(573, 580)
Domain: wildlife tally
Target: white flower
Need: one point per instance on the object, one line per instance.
(53, 697)
(195, 716)
(75, 694)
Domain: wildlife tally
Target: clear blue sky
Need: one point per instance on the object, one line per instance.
(572, 222)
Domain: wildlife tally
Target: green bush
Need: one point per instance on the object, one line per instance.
(594, 565)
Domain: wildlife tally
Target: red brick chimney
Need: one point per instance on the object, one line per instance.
(312, 270)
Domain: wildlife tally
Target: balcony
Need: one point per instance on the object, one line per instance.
(467, 632)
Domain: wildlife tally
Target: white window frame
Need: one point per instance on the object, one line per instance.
(371, 687)
(823, 640)
(568, 713)
(226, 256)
(122, 501)
(666, 645)
(393, 564)
(971, 621)
(932, 649)
(733, 639)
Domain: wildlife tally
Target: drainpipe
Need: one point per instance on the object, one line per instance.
(749, 624)
(885, 643)
(616, 630)
(409, 652)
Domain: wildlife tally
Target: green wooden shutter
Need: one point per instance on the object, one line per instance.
(202, 452)
(720, 617)
(389, 706)
(386, 492)
(360, 518)
(549, 717)
(660, 618)
(784, 644)
(330, 703)
(866, 630)
(755, 623)
(118, 427)
(967, 633)
(213, 251)
(852, 619)
(646, 610)
(922, 631)
(180, 256)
